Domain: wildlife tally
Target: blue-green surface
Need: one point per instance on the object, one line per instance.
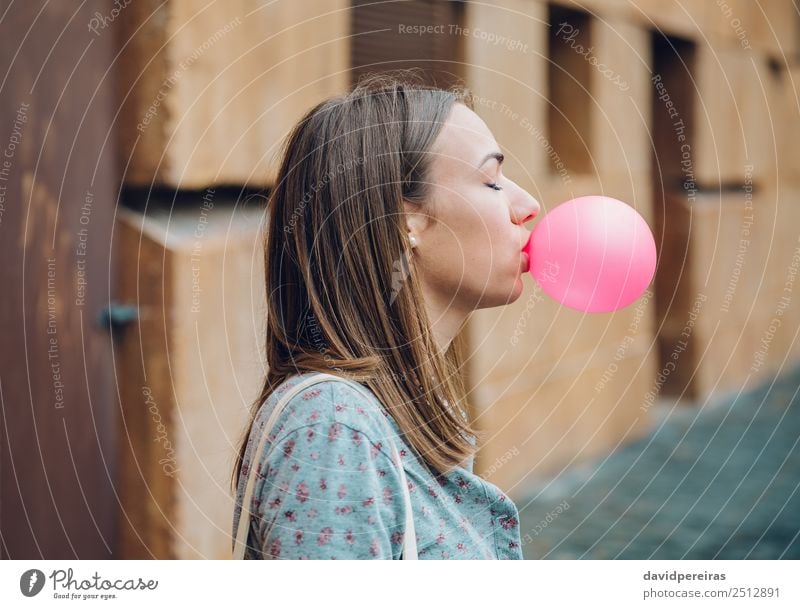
(717, 482)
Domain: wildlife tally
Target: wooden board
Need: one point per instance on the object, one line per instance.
(58, 183)
(209, 91)
(188, 373)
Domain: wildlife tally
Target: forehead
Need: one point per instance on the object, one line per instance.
(464, 139)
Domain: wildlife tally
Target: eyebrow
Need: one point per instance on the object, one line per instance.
(492, 155)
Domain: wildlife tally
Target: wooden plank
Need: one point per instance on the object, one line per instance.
(210, 91)
(146, 492)
(58, 185)
(510, 96)
(738, 116)
(621, 91)
(201, 291)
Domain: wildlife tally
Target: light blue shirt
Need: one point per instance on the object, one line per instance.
(327, 487)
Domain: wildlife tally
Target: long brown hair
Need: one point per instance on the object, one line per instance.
(342, 297)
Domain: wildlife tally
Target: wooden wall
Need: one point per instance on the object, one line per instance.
(551, 385)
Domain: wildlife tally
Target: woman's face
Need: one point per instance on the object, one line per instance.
(468, 249)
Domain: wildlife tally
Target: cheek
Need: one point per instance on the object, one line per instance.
(474, 239)
(486, 234)
(466, 230)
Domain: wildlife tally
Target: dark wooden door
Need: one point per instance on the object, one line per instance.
(58, 186)
(414, 34)
(673, 133)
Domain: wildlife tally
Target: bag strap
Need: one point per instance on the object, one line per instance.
(240, 542)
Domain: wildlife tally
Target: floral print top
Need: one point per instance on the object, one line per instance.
(327, 487)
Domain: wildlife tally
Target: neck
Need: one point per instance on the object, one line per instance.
(446, 321)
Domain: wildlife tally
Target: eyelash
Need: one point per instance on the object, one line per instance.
(494, 186)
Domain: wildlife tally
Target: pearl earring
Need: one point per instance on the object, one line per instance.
(413, 240)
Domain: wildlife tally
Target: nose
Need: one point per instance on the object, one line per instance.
(526, 208)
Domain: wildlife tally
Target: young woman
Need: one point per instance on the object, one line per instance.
(390, 222)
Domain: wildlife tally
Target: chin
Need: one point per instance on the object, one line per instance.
(499, 299)
(517, 291)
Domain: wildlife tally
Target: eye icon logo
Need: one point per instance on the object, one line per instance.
(31, 582)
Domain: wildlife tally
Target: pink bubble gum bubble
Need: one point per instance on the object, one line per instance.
(593, 254)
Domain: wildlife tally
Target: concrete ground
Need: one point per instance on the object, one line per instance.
(717, 482)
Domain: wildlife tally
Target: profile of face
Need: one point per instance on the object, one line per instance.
(468, 249)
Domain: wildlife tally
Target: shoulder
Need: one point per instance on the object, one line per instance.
(330, 404)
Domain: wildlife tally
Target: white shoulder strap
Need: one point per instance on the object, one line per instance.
(240, 542)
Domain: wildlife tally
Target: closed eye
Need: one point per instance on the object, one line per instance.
(494, 186)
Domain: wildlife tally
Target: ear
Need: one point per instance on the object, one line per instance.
(417, 221)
